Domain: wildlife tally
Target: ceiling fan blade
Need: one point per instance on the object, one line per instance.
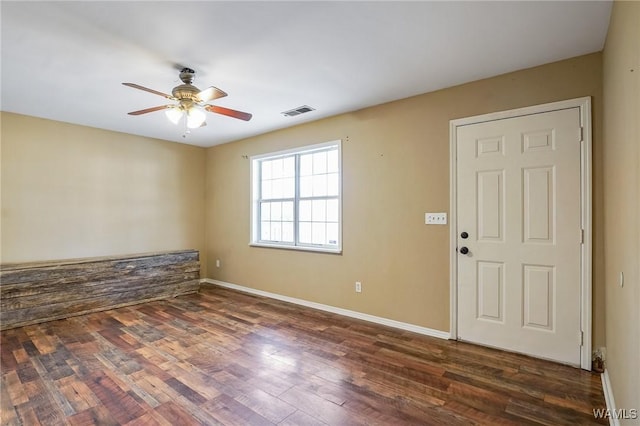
(229, 112)
(146, 89)
(210, 93)
(152, 109)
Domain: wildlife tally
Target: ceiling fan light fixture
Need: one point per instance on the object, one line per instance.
(174, 114)
(191, 103)
(195, 117)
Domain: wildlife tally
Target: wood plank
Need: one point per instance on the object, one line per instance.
(31, 293)
(220, 357)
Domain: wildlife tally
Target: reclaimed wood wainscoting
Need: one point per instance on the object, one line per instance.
(32, 293)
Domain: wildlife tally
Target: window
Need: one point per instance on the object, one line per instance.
(297, 198)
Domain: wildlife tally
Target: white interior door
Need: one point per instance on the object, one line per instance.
(519, 203)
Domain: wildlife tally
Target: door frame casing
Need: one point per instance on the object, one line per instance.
(584, 105)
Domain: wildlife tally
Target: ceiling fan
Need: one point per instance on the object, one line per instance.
(191, 102)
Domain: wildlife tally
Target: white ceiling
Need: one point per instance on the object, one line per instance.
(66, 60)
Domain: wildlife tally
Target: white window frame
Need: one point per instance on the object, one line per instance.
(255, 189)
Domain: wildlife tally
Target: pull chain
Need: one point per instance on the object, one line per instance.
(187, 131)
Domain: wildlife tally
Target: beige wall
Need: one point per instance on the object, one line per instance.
(71, 191)
(396, 168)
(621, 153)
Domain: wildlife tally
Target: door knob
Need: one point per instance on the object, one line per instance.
(464, 250)
(464, 235)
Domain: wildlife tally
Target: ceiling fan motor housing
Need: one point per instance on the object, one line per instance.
(186, 91)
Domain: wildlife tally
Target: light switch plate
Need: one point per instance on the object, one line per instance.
(435, 218)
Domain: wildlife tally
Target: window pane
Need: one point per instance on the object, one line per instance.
(266, 170)
(276, 188)
(276, 171)
(276, 231)
(287, 232)
(333, 213)
(320, 162)
(306, 186)
(305, 232)
(276, 211)
(333, 184)
(332, 233)
(287, 211)
(319, 210)
(289, 167)
(266, 190)
(319, 185)
(288, 188)
(305, 211)
(306, 164)
(318, 231)
(265, 230)
(332, 161)
(265, 211)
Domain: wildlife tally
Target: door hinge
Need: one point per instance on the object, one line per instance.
(581, 134)
(581, 338)
(582, 236)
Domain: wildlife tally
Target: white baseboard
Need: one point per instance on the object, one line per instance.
(608, 397)
(327, 308)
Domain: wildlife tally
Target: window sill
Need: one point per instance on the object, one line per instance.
(298, 248)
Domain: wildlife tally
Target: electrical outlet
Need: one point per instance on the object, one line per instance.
(358, 287)
(435, 218)
(217, 263)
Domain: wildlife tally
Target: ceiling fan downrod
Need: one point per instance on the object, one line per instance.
(187, 75)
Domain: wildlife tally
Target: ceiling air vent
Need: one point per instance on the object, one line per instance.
(297, 111)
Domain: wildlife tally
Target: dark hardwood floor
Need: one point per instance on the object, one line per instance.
(224, 357)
